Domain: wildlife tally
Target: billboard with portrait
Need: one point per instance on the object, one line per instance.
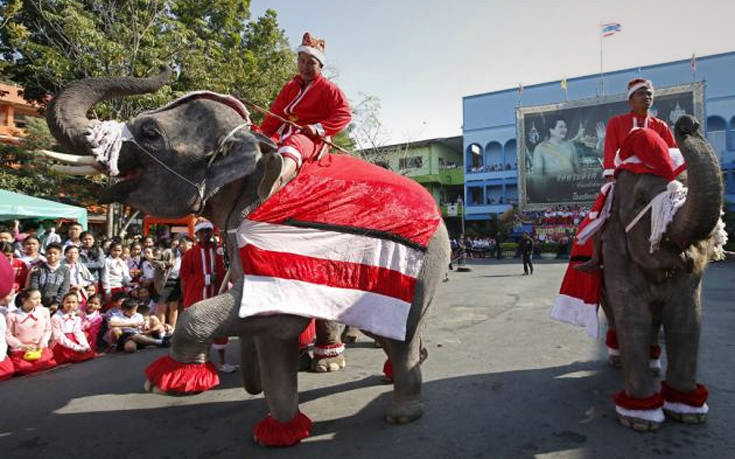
(560, 148)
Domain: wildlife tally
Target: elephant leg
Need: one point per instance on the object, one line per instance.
(639, 404)
(350, 334)
(249, 366)
(187, 370)
(611, 338)
(328, 349)
(278, 361)
(654, 358)
(684, 399)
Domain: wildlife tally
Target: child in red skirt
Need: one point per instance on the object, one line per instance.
(28, 334)
(70, 344)
(92, 320)
(7, 369)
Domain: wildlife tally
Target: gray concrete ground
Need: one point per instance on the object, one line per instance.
(502, 380)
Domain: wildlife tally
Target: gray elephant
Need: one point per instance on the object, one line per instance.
(645, 287)
(193, 156)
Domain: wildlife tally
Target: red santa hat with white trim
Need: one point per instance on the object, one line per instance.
(637, 83)
(313, 46)
(644, 151)
(203, 224)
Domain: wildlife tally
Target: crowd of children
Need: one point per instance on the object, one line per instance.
(72, 301)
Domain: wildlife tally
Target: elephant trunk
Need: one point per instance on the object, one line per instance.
(67, 111)
(698, 216)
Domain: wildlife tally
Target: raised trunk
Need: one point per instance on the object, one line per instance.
(697, 218)
(67, 112)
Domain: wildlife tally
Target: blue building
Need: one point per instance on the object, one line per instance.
(489, 124)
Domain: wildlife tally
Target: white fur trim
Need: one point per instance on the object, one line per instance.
(654, 364)
(637, 86)
(683, 408)
(328, 351)
(656, 415)
(203, 225)
(599, 220)
(320, 56)
(611, 351)
(292, 153)
(576, 312)
(608, 172)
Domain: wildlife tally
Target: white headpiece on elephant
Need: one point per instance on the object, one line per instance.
(105, 138)
(313, 46)
(637, 83)
(203, 224)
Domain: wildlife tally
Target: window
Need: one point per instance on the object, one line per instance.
(475, 158)
(20, 120)
(414, 162)
(475, 196)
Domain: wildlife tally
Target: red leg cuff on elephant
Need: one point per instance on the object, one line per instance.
(308, 335)
(629, 403)
(611, 339)
(184, 378)
(270, 432)
(328, 350)
(697, 397)
(388, 370)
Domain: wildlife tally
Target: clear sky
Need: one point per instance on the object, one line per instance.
(420, 57)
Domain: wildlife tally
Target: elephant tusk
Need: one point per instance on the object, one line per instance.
(70, 159)
(75, 170)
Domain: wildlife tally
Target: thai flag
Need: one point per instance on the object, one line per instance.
(610, 28)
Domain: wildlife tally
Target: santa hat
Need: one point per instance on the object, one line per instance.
(313, 46)
(644, 151)
(638, 83)
(202, 224)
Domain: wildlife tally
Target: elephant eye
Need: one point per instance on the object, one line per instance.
(150, 132)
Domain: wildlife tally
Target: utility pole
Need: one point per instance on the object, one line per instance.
(461, 265)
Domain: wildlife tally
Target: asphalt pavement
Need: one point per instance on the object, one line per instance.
(502, 380)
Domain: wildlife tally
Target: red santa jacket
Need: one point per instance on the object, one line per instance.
(618, 129)
(202, 271)
(319, 102)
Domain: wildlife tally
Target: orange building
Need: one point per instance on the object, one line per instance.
(14, 110)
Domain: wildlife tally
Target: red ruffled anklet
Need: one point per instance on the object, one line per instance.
(183, 378)
(270, 432)
(697, 397)
(653, 402)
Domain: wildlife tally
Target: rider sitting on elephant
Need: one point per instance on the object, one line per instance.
(579, 294)
(310, 101)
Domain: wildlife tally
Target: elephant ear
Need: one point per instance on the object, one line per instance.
(235, 159)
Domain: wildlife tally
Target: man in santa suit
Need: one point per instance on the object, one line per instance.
(579, 296)
(202, 272)
(640, 99)
(313, 103)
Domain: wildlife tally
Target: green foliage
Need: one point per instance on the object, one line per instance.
(213, 44)
(23, 171)
(509, 246)
(548, 247)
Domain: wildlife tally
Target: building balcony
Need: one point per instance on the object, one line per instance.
(485, 175)
(482, 212)
(444, 177)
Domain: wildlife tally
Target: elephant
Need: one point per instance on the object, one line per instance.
(644, 288)
(173, 167)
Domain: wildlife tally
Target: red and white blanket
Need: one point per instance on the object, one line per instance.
(345, 240)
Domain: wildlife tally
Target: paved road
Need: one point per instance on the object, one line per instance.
(501, 380)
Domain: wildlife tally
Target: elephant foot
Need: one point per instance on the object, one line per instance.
(614, 361)
(148, 387)
(404, 412)
(350, 335)
(328, 364)
(639, 414)
(270, 432)
(686, 418)
(639, 425)
(172, 377)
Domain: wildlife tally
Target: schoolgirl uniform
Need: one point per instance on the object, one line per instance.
(7, 369)
(70, 343)
(30, 328)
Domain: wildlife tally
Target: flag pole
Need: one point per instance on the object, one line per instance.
(602, 75)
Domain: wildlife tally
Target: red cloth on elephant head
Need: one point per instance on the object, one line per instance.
(644, 151)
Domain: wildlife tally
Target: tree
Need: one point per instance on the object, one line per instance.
(369, 138)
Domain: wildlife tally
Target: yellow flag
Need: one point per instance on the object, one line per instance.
(564, 84)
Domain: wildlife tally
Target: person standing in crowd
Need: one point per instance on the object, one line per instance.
(135, 262)
(49, 236)
(202, 272)
(28, 334)
(32, 252)
(20, 269)
(526, 247)
(115, 275)
(79, 275)
(51, 278)
(167, 285)
(92, 256)
(312, 102)
(74, 232)
(69, 342)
